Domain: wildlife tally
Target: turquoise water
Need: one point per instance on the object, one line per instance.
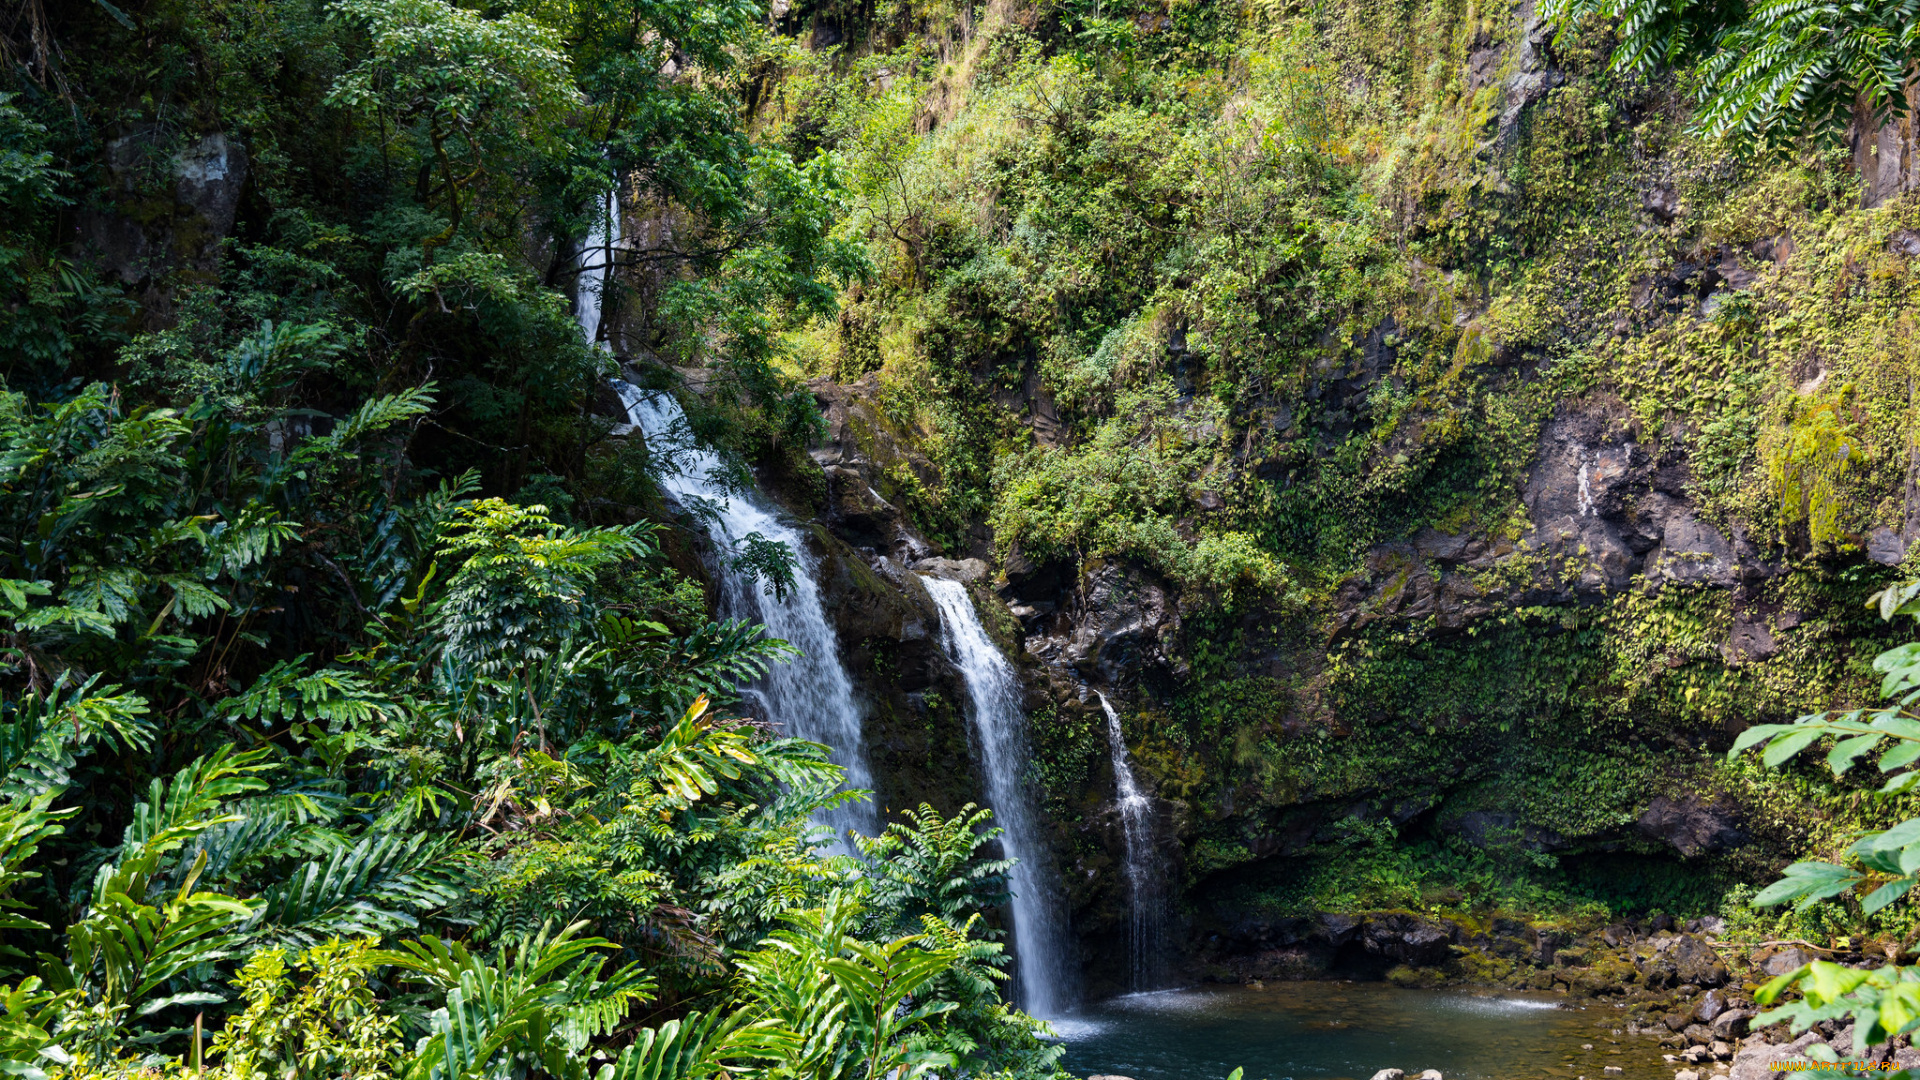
(1315, 1030)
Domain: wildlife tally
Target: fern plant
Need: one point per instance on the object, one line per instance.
(1770, 71)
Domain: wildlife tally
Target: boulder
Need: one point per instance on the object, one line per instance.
(963, 570)
(1886, 547)
(1731, 1024)
(1126, 618)
(147, 228)
(1691, 552)
(1785, 960)
(1691, 826)
(1756, 1060)
(1695, 962)
(1409, 940)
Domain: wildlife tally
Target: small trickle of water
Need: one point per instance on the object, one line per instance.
(1146, 899)
(1586, 482)
(1000, 726)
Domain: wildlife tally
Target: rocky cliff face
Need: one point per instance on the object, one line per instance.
(1607, 514)
(1591, 469)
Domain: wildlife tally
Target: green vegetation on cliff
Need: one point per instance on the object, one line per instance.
(1509, 438)
(1441, 429)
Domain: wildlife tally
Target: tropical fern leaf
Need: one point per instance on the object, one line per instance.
(698, 1046)
(379, 885)
(44, 734)
(176, 811)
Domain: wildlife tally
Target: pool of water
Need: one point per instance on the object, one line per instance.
(1330, 1030)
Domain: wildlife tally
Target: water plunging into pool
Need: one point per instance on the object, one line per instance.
(1042, 983)
(1146, 885)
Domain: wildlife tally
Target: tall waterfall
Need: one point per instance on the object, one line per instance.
(1146, 898)
(1040, 978)
(810, 696)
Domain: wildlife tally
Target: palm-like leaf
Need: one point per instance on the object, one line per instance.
(371, 889)
(125, 949)
(698, 1046)
(26, 1030)
(45, 734)
(177, 810)
(853, 1002)
(541, 1003)
(23, 825)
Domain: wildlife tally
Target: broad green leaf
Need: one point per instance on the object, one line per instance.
(1808, 881)
(1894, 724)
(1886, 894)
(1783, 748)
(1898, 756)
(1847, 751)
(1759, 733)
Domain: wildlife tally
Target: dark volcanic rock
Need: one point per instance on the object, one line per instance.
(1123, 621)
(1690, 826)
(1607, 516)
(1409, 939)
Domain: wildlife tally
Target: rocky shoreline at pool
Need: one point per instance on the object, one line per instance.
(1682, 984)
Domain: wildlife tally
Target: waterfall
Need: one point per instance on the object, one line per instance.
(1000, 725)
(1146, 902)
(589, 289)
(810, 696)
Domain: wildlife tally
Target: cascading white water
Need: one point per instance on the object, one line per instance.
(810, 696)
(596, 269)
(1146, 902)
(1000, 724)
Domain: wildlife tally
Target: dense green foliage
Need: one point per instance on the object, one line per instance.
(357, 720)
(1773, 70)
(1242, 303)
(363, 706)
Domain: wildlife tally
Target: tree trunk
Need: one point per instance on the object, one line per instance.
(1887, 155)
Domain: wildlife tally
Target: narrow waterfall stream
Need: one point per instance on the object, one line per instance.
(1146, 899)
(810, 696)
(1041, 981)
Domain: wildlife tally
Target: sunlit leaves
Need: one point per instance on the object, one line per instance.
(519, 591)
(1882, 1003)
(1773, 70)
(1886, 1002)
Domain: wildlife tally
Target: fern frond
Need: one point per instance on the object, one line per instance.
(176, 811)
(44, 734)
(377, 886)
